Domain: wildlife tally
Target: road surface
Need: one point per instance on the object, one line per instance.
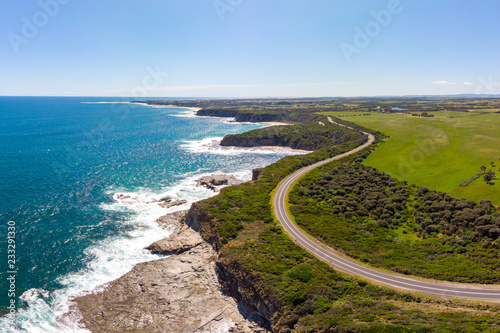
(390, 280)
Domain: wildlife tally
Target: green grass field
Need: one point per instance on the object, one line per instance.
(439, 152)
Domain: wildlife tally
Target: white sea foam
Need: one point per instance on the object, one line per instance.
(156, 106)
(187, 111)
(212, 145)
(111, 258)
(232, 121)
(190, 173)
(116, 255)
(186, 114)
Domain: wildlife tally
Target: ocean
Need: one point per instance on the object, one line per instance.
(65, 231)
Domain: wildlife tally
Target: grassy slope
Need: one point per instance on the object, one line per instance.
(439, 152)
(303, 294)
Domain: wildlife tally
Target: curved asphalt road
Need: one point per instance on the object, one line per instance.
(322, 253)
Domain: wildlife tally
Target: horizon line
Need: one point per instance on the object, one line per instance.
(269, 97)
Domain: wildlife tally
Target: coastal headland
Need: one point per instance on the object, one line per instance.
(237, 258)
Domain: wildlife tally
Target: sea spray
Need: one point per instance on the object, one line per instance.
(73, 247)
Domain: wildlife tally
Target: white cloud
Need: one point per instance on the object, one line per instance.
(468, 83)
(443, 82)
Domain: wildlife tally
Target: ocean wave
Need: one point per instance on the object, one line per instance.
(111, 258)
(232, 121)
(191, 173)
(157, 106)
(51, 312)
(186, 114)
(212, 145)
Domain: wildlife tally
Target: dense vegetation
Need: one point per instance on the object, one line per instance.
(297, 292)
(231, 208)
(312, 135)
(294, 291)
(408, 229)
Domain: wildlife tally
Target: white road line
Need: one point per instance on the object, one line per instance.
(336, 260)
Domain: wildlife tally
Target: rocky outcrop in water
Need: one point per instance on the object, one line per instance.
(168, 203)
(185, 240)
(216, 182)
(180, 293)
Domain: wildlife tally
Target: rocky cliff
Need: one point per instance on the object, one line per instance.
(258, 117)
(235, 279)
(217, 113)
(242, 116)
(199, 220)
(257, 173)
(180, 293)
(239, 141)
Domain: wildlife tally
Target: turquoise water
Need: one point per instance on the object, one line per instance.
(63, 163)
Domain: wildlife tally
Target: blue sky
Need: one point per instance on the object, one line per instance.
(249, 48)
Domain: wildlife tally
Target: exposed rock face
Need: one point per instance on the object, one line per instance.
(241, 285)
(198, 219)
(238, 141)
(174, 294)
(256, 117)
(256, 173)
(173, 221)
(217, 113)
(242, 116)
(168, 202)
(235, 280)
(216, 182)
(186, 239)
(180, 293)
(171, 203)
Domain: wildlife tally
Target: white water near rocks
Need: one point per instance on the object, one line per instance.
(108, 259)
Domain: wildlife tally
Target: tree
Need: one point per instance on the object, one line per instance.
(488, 176)
(422, 190)
(483, 168)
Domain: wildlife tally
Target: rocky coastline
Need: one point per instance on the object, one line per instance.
(237, 141)
(189, 290)
(240, 116)
(179, 293)
(183, 292)
(216, 182)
